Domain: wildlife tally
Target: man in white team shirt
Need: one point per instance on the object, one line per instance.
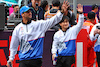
(64, 43)
(30, 35)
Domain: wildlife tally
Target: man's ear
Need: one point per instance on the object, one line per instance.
(60, 24)
(22, 14)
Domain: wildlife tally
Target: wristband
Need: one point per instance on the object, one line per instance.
(62, 11)
(9, 62)
(80, 13)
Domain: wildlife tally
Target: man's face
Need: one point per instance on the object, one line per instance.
(27, 14)
(64, 24)
(36, 1)
(96, 9)
(16, 9)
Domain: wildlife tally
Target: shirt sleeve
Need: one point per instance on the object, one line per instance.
(13, 45)
(49, 23)
(78, 27)
(91, 35)
(54, 45)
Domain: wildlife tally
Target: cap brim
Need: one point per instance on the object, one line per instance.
(27, 10)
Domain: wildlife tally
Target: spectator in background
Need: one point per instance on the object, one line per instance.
(37, 11)
(95, 8)
(53, 11)
(44, 5)
(88, 24)
(55, 8)
(14, 14)
(71, 16)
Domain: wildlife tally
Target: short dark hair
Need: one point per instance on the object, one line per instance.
(56, 3)
(15, 6)
(94, 6)
(91, 15)
(64, 18)
(44, 3)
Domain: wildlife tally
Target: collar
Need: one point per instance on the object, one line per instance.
(27, 22)
(66, 30)
(88, 21)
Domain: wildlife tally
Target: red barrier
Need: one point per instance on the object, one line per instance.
(82, 37)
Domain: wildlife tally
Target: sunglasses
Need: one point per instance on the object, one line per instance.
(28, 11)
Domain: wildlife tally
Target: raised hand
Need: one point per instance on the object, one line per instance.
(8, 65)
(96, 31)
(80, 8)
(65, 6)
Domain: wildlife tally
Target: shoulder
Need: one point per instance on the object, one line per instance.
(18, 26)
(46, 13)
(40, 9)
(87, 24)
(12, 14)
(58, 33)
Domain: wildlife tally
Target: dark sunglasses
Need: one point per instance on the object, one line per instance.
(28, 11)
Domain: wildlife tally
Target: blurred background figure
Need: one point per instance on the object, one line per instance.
(88, 25)
(14, 14)
(44, 5)
(11, 23)
(37, 11)
(95, 9)
(53, 11)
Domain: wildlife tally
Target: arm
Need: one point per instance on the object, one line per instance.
(54, 46)
(80, 20)
(13, 46)
(94, 33)
(49, 23)
(80, 23)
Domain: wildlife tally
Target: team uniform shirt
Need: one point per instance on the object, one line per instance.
(30, 37)
(88, 26)
(49, 14)
(64, 43)
(97, 36)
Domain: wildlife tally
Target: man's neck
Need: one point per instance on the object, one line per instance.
(94, 11)
(25, 21)
(55, 7)
(89, 20)
(64, 30)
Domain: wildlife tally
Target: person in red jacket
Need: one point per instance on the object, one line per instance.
(88, 24)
